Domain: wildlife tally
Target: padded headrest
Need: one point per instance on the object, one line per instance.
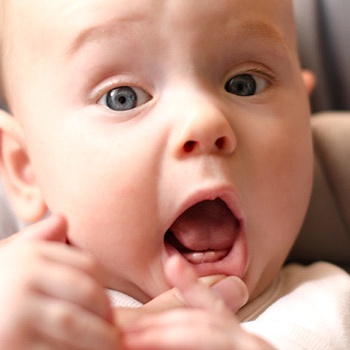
(325, 234)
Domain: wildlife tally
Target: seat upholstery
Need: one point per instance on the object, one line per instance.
(323, 36)
(325, 234)
(9, 224)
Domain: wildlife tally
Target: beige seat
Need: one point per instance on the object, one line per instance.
(326, 231)
(324, 32)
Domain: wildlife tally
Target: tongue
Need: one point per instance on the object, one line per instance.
(205, 232)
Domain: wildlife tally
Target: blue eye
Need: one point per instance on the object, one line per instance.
(124, 98)
(245, 85)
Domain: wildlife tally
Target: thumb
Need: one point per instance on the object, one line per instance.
(227, 292)
(54, 228)
(233, 291)
(194, 293)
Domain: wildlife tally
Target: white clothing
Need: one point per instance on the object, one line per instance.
(119, 299)
(305, 308)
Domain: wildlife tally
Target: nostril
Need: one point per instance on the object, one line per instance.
(220, 143)
(189, 146)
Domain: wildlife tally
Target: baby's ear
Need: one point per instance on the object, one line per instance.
(309, 80)
(17, 172)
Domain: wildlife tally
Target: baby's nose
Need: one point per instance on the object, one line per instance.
(203, 128)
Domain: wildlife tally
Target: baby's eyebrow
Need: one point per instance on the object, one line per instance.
(263, 30)
(247, 29)
(99, 32)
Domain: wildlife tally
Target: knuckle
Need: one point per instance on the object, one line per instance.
(110, 339)
(90, 291)
(64, 318)
(70, 278)
(86, 287)
(82, 329)
(90, 265)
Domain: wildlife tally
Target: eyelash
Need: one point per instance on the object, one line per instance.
(261, 80)
(263, 73)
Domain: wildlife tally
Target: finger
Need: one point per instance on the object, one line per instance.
(66, 323)
(233, 291)
(180, 329)
(230, 288)
(53, 228)
(212, 279)
(168, 300)
(72, 257)
(74, 286)
(41, 253)
(194, 293)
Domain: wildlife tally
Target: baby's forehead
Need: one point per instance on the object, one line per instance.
(45, 26)
(203, 12)
(34, 25)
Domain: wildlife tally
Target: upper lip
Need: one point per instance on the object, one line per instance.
(225, 193)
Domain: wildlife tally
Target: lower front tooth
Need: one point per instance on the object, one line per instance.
(203, 257)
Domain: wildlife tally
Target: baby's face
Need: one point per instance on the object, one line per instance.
(166, 127)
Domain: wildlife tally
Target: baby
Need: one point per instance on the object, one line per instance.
(173, 137)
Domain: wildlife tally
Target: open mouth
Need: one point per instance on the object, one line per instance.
(204, 233)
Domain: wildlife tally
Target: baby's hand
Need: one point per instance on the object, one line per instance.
(231, 289)
(51, 295)
(206, 323)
